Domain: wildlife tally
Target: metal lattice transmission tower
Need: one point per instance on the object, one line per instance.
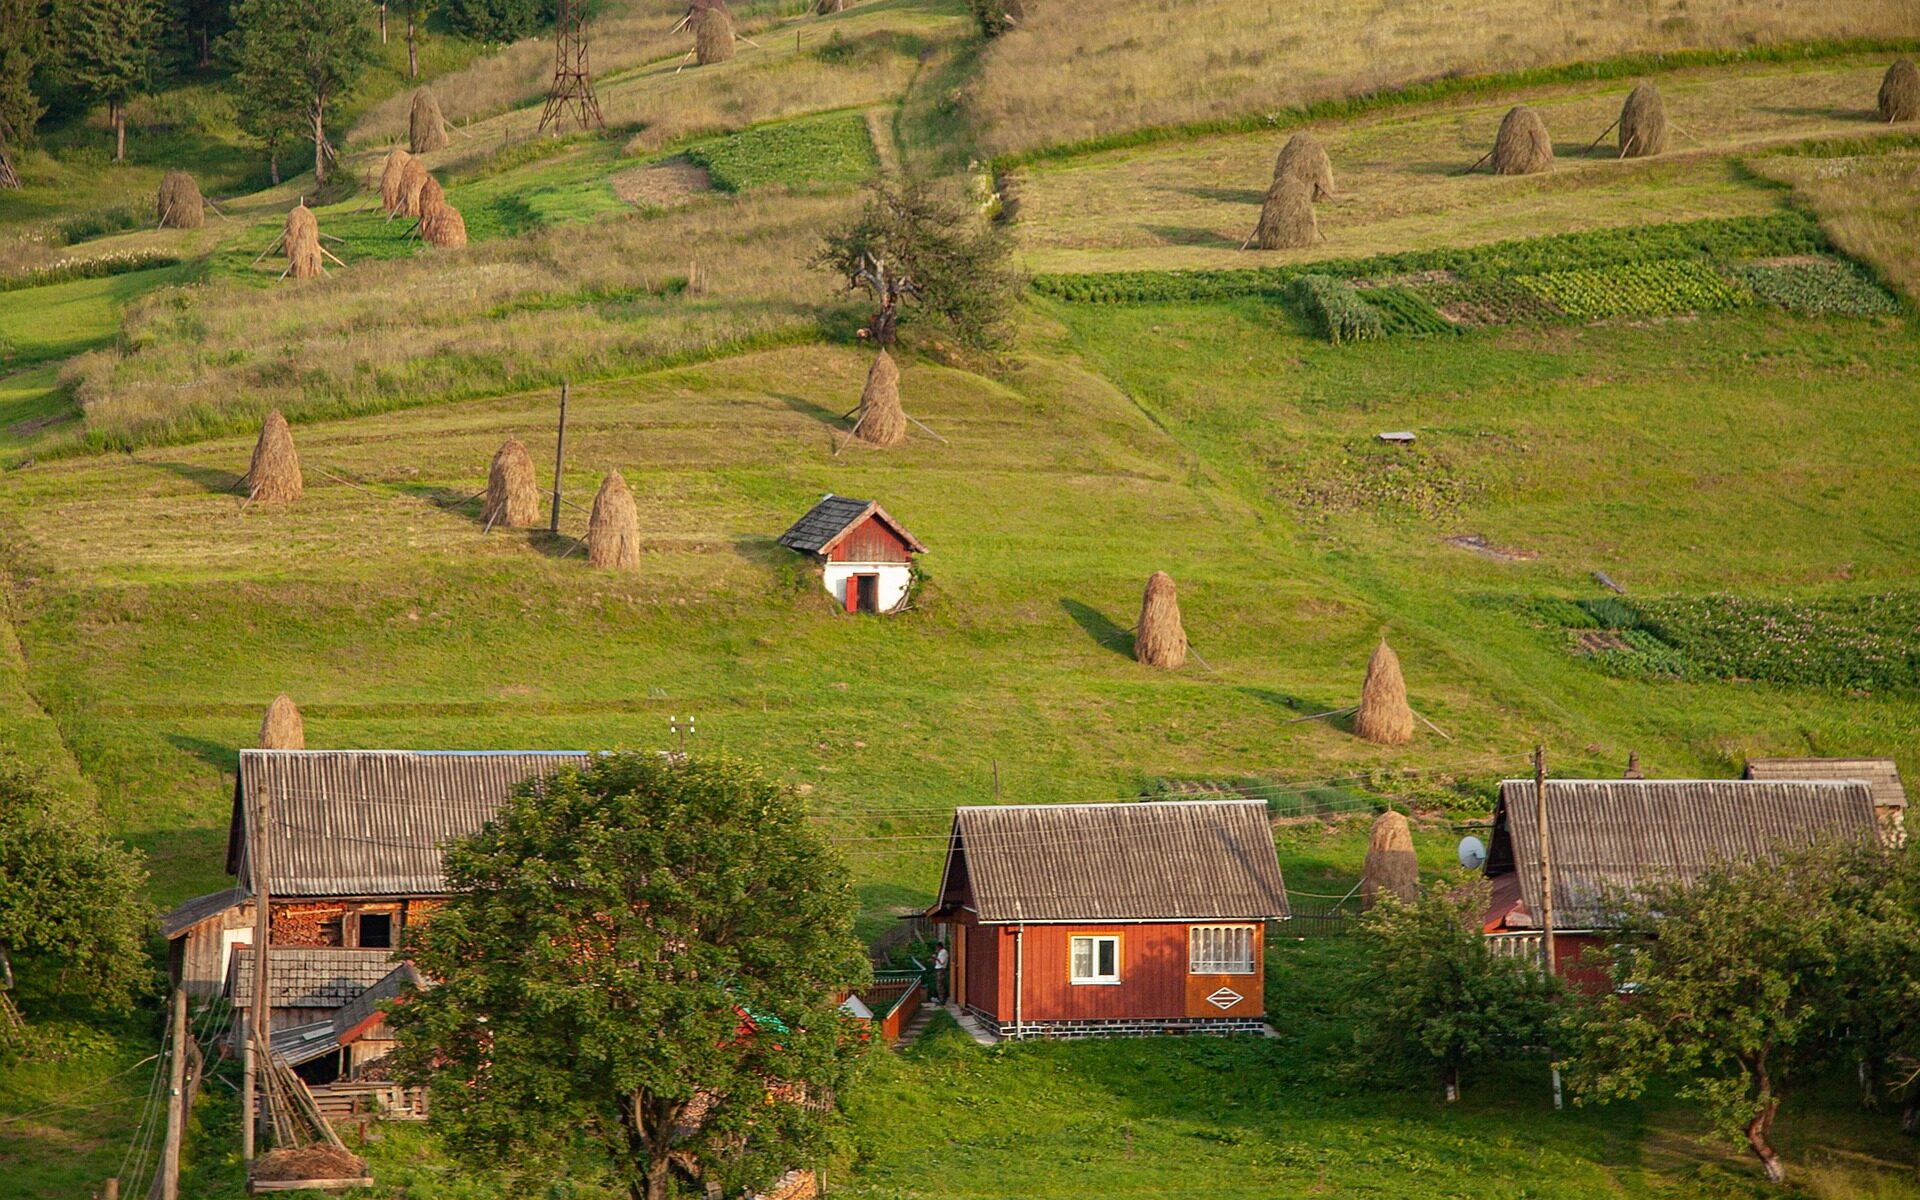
(572, 90)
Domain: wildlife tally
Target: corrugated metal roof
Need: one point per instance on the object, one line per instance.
(372, 822)
(1882, 774)
(1615, 838)
(309, 976)
(828, 522)
(1163, 861)
(198, 909)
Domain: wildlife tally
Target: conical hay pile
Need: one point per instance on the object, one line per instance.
(712, 36)
(881, 421)
(178, 204)
(282, 728)
(613, 531)
(1286, 219)
(446, 228)
(274, 474)
(1643, 123)
(1383, 715)
(827, 8)
(1522, 146)
(1391, 868)
(301, 243)
(1159, 640)
(1304, 158)
(429, 200)
(426, 126)
(1900, 92)
(413, 178)
(513, 499)
(392, 196)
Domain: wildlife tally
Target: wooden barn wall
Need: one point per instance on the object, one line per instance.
(984, 986)
(871, 542)
(195, 955)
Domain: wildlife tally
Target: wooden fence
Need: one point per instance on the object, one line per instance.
(1315, 916)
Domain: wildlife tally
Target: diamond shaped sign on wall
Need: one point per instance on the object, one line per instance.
(1225, 998)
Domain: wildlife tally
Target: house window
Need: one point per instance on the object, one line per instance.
(1095, 959)
(1220, 950)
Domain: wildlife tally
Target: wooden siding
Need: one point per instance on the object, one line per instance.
(197, 956)
(981, 975)
(1154, 982)
(870, 541)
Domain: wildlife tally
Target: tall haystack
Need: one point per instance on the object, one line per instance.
(273, 476)
(1286, 219)
(1304, 158)
(300, 240)
(413, 180)
(444, 227)
(613, 530)
(429, 199)
(1159, 640)
(282, 728)
(426, 125)
(513, 499)
(1391, 868)
(1522, 146)
(178, 204)
(392, 196)
(1383, 715)
(712, 36)
(881, 421)
(1900, 92)
(826, 8)
(1643, 122)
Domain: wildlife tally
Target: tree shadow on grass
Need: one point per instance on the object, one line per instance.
(1099, 628)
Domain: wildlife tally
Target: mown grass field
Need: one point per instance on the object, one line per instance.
(1755, 454)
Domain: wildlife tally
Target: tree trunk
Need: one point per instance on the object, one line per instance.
(1759, 1130)
(118, 115)
(206, 49)
(413, 56)
(383, 24)
(1451, 1081)
(658, 1182)
(273, 164)
(319, 147)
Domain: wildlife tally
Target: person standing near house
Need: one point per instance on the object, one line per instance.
(939, 988)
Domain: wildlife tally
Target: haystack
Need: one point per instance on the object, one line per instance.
(1391, 868)
(426, 125)
(1643, 123)
(881, 421)
(1900, 92)
(446, 228)
(429, 199)
(613, 530)
(712, 36)
(274, 474)
(300, 241)
(1286, 219)
(318, 1161)
(1383, 715)
(513, 499)
(391, 177)
(826, 8)
(1304, 158)
(1522, 146)
(1159, 639)
(413, 179)
(178, 205)
(282, 728)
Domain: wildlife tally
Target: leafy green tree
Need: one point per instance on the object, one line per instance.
(644, 955)
(1436, 999)
(1874, 1013)
(299, 55)
(1732, 984)
(499, 20)
(105, 49)
(23, 44)
(913, 240)
(416, 12)
(198, 25)
(69, 894)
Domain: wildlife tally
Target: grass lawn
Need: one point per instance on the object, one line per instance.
(62, 319)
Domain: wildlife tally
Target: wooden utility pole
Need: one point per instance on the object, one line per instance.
(559, 461)
(260, 1022)
(246, 1089)
(1547, 951)
(176, 1101)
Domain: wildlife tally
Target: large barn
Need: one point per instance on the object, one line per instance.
(1078, 920)
(1613, 840)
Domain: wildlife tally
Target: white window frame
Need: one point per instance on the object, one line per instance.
(1209, 961)
(1096, 978)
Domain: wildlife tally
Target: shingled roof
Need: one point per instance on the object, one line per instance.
(830, 521)
(191, 912)
(372, 822)
(1616, 839)
(1168, 861)
(309, 976)
(1881, 774)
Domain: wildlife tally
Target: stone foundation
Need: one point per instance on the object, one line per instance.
(1127, 1027)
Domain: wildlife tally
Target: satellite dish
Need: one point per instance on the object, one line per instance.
(1473, 853)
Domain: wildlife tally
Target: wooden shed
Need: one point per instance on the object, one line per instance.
(1079, 920)
(1617, 838)
(1882, 775)
(866, 557)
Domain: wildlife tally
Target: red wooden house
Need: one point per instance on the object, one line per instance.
(866, 557)
(1079, 920)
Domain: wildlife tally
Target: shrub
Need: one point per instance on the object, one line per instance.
(1337, 310)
